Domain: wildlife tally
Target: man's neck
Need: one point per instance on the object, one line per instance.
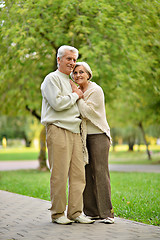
(63, 72)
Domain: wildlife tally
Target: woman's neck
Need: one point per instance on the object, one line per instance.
(84, 87)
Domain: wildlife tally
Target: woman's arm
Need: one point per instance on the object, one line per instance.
(92, 104)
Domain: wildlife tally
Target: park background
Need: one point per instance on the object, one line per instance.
(120, 41)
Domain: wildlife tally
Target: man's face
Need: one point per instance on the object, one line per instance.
(67, 62)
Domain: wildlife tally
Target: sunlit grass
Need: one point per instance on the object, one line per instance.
(121, 154)
(18, 154)
(135, 196)
(126, 157)
(15, 150)
(138, 156)
(124, 147)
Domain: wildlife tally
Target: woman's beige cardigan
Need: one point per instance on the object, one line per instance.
(92, 107)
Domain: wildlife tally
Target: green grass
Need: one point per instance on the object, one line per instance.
(13, 154)
(31, 183)
(135, 196)
(120, 156)
(135, 157)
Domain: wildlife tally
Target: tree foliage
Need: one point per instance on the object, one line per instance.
(119, 39)
(18, 128)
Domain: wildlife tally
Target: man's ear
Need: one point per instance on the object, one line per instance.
(58, 60)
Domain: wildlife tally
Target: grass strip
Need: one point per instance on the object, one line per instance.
(135, 196)
(14, 154)
(117, 157)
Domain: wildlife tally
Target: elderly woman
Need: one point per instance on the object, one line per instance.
(97, 193)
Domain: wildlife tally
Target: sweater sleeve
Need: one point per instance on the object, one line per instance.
(89, 107)
(51, 91)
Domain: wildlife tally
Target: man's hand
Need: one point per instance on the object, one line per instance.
(76, 89)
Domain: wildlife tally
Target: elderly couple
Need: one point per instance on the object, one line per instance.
(78, 141)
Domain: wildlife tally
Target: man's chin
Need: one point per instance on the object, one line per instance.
(70, 70)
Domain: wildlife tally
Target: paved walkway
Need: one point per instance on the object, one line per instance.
(15, 165)
(134, 168)
(28, 218)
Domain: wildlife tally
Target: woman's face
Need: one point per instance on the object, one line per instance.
(80, 76)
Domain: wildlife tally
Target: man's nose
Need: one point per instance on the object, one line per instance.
(72, 61)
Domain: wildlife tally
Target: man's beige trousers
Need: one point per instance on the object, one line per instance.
(66, 162)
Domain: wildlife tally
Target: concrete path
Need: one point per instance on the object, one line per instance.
(15, 165)
(28, 218)
(134, 168)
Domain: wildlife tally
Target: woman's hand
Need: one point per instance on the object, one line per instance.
(73, 86)
(76, 89)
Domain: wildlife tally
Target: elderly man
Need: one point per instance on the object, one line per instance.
(61, 117)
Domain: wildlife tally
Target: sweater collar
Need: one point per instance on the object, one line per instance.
(63, 75)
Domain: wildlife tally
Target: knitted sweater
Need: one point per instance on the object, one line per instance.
(92, 107)
(59, 104)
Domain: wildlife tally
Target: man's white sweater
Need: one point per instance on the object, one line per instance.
(59, 105)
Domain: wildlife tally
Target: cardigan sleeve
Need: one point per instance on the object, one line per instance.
(90, 106)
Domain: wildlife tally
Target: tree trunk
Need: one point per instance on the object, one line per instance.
(131, 142)
(113, 139)
(113, 145)
(42, 154)
(27, 141)
(145, 140)
(130, 146)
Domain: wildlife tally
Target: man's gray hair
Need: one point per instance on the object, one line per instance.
(63, 48)
(87, 68)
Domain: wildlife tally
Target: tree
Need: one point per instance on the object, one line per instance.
(118, 39)
(17, 128)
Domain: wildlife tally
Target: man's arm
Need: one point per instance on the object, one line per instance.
(52, 92)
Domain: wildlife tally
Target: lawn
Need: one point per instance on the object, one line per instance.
(135, 157)
(120, 156)
(13, 154)
(135, 196)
